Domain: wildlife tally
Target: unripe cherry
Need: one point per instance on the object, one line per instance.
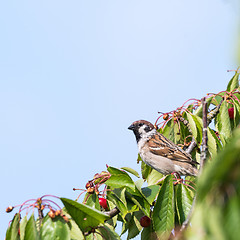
(51, 214)
(91, 190)
(65, 218)
(165, 116)
(58, 212)
(9, 209)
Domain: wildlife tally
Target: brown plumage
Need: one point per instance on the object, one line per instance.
(160, 153)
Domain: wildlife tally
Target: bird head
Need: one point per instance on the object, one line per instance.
(141, 128)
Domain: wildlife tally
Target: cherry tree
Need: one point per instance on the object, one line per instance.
(144, 205)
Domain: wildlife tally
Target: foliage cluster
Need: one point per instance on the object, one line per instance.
(165, 200)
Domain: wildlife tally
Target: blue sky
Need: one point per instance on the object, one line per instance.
(75, 74)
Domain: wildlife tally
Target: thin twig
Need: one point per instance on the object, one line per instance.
(213, 113)
(203, 156)
(40, 214)
(192, 145)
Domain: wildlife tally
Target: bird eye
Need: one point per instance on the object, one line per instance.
(140, 124)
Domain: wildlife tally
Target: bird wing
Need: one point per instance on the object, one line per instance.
(160, 145)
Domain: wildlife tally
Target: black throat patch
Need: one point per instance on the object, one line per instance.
(137, 135)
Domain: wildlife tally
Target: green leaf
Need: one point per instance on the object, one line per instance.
(134, 225)
(117, 196)
(55, 228)
(108, 232)
(223, 124)
(132, 171)
(146, 170)
(31, 229)
(216, 214)
(119, 179)
(233, 83)
(183, 202)
(199, 110)
(171, 131)
(195, 123)
(12, 232)
(112, 221)
(22, 227)
(85, 216)
(236, 119)
(148, 233)
(75, 232)
(212, 141)
(141, 202)
(168, 129)
(223, 169)
(192, 125)
(151, 192)
(154, 177)
(92, 201)
(163, 212)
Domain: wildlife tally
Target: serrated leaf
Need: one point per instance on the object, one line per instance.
(171, 131)
(198, 111)
(183, 202)
(148, 233)
(92, 201)
(233, 83)
(22, 227)
(167, 130)
(112, 221)
(199, 125)
(192, 125)
(12, 232)
(140, 202)
(75, 232)
(108, 232)
(145, 169)
(85, 216)
(212, 142)
(31, 229)
(195, 123)
(236, 119)
(119, 179)
(132, 171)
(55, 228)
(223, 124)
(151, 192)
(154, 177)
(117, 196)
(134, 225)
(139, 184)
(163, 212)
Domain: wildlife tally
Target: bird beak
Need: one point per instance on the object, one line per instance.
(131, 127)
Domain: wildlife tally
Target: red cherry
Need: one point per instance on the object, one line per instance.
(145, 221)
(103, 202)
(231, 113)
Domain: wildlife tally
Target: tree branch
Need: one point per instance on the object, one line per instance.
(203, 158)
(112, 213)
(192, 145)
(213, 113)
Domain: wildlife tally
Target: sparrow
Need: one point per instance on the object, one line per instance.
(160, 153)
